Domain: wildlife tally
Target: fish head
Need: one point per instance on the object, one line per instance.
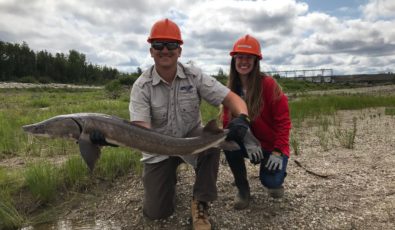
(59, 126)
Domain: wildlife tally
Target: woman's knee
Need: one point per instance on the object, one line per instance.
(272, 181)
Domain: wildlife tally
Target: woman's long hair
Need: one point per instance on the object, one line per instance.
(254, 95)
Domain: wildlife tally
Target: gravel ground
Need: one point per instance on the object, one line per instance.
(357, 190)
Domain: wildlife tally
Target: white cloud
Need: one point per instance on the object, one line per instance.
(114, 33)
(379, 8)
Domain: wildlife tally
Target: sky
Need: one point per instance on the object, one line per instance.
(345, 36)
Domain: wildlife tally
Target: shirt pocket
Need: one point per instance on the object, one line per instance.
(189, 110)
(159, 116)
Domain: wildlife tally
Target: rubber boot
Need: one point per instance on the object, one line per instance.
(242, 199)
(276, 192)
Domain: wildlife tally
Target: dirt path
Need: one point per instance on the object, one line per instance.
(17, 85)
(358, 193)
(380, 89)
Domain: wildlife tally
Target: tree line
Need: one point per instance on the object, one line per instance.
(21, 64)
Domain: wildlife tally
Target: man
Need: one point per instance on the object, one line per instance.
(166, 98)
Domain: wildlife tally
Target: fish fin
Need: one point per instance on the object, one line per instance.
(229, 146)
(212, 127)
(89, 152)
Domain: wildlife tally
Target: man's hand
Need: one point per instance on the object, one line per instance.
(238, 128)
(98, 138)
(275, 162)
(253, 148)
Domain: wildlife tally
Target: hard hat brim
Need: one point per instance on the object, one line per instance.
(245, 52)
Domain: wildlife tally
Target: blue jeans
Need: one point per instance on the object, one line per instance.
(272, 179)
(269, 179)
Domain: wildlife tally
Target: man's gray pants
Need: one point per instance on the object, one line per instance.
(160, 179)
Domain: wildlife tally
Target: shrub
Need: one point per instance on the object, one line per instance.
(28, 79)
(113, 89)
(127, 80)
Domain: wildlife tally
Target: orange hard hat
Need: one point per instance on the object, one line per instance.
(165, 29)
(247, 44)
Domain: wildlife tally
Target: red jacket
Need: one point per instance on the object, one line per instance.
(272, 126)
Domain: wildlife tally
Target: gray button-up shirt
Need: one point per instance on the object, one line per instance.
(173, 109)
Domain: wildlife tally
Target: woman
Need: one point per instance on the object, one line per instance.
(270, 122)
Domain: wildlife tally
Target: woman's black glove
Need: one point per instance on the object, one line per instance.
(238, 128)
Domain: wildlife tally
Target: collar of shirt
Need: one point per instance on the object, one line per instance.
(156, 78)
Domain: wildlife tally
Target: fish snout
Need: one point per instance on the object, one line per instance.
(33, 129)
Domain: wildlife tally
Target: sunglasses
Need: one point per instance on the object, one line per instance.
(169, 45)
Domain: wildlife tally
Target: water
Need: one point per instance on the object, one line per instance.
(75, 225)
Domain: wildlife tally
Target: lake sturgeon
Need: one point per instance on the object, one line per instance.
(121, 132)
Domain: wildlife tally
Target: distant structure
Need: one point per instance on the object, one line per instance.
(326, 76)
(302, 73)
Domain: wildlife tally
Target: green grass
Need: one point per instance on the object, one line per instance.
(289, 85)
(75, 173)
(390, 111)
(10, 182)
(347, 137)
(9, 137)
(40, 102)
(10, 179)
(295, 142)
(42, 179)
(327, 105)
(9, 217)
(116, 162)
(209, 112)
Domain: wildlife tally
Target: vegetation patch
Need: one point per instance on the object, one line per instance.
(390, 111)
